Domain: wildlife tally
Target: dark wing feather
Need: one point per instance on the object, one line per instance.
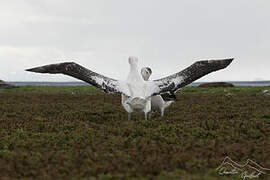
(168, 96)
(75, 70)
(197, 70)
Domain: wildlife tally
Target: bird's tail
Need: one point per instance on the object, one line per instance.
(138, 103)
(168, 103)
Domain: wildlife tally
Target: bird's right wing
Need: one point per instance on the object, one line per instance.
(107, 84)
(197, 70)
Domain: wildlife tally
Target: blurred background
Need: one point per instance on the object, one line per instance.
(167, 36)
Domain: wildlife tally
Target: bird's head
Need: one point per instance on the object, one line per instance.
(133, 60)
(146, 73)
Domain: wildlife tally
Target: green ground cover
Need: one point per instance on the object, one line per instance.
(78, 132)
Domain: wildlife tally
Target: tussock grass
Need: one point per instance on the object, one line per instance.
(80, 133)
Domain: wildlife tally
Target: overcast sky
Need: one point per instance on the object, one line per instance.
(166, 35)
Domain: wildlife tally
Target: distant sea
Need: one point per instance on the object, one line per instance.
(78, 83)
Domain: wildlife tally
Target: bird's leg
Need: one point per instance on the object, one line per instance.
(150, 115)
(129, 116)
(162, 112)
(145, 116)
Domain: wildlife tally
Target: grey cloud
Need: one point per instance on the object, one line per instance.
(166, 35)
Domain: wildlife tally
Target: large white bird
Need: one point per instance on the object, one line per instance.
(136, 92)
(158, 102)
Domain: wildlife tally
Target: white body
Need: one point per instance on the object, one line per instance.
(157, 102)
(138, 91)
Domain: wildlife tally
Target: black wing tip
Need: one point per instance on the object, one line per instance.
(216, 60)
(228, 61)
(222, 63)
(37, 70)
(51, 68)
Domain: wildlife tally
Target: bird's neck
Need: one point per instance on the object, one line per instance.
(134, 73)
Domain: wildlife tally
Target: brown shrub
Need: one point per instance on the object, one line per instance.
(216, 84)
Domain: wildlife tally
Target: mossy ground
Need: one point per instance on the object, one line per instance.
(81, 133)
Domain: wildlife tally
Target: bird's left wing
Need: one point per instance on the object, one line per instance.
(107, 84)
(197, 70)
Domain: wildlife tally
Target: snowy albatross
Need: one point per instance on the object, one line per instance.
(158, 102)
(135, 91)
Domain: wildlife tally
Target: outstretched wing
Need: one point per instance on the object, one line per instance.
(197, 70)
(108, 85)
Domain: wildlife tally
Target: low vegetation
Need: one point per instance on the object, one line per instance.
(5, 85)
(81, 133)
(216, 84)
